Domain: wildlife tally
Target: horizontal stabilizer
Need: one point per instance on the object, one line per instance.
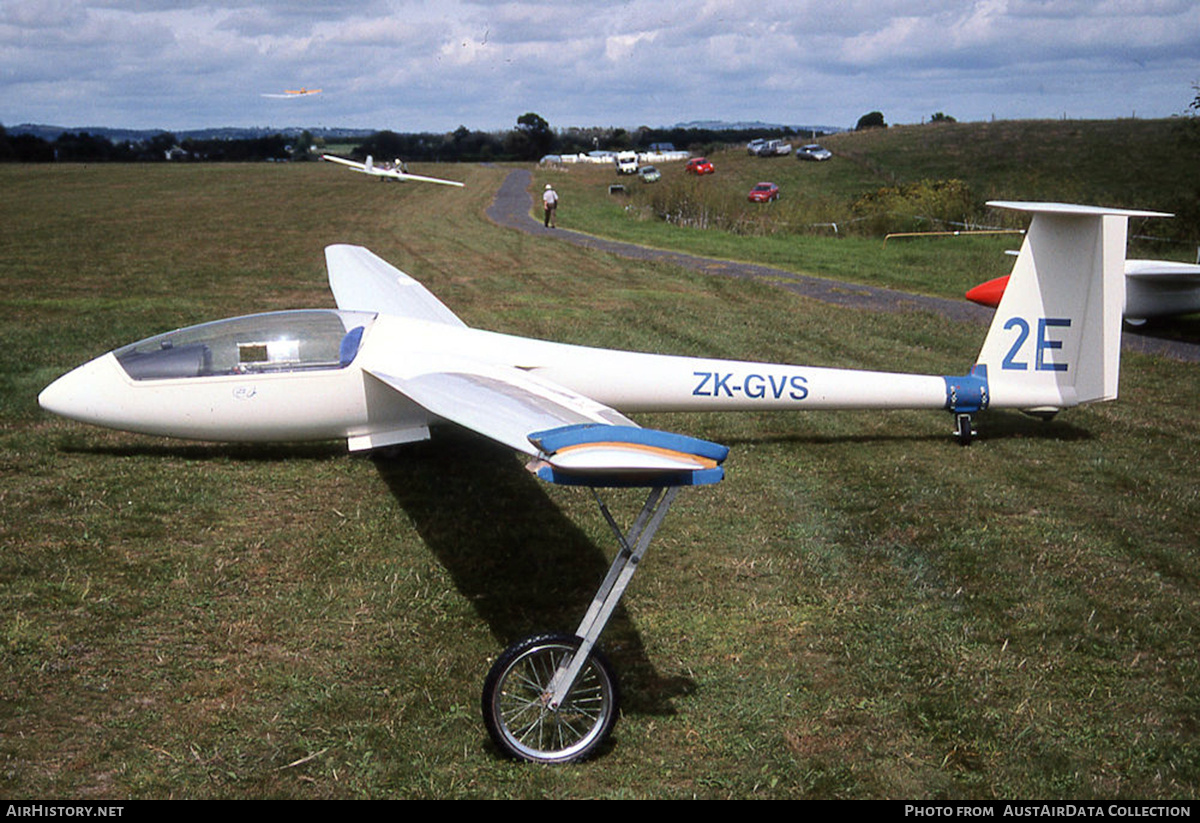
(607, 455)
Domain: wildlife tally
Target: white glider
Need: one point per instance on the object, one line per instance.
(392, 361)
(394, 172)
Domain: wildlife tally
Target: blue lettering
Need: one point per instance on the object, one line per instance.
(758, 389)
(722, 382)
(1043, 344)
(752, 386)
(1022, 334)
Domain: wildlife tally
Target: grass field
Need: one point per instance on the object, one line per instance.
(862, 609)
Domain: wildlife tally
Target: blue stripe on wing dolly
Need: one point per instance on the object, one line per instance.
(700, 477)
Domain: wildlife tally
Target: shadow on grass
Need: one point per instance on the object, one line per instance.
(247, 452)
(997, 425)
(523, 564)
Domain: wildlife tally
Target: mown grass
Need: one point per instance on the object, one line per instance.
(862, 609)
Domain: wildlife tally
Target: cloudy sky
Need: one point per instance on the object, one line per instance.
(410, 65)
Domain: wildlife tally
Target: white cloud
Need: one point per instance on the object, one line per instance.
(434, 65)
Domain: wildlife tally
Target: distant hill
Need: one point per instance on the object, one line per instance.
(117, 135)
(721, 125)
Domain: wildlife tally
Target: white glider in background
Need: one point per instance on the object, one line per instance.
(1153, 288)
(394, 172)
(392, 361)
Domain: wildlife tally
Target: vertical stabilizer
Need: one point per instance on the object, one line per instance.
(1056, 338)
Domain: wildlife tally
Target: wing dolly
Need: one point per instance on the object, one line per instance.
(553, 698)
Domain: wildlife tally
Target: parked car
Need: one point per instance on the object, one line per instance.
(755, 145)
(649, 174)
(699, 165)
(764, 193)
(774, 148)
(813, 152)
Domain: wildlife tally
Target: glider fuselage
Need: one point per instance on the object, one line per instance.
(208, 383)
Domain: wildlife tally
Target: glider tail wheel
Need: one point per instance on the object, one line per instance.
(519, 708)
(964, 429)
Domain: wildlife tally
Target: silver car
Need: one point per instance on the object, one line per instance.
(813, 152)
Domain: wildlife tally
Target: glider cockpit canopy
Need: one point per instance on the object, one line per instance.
(259, 343)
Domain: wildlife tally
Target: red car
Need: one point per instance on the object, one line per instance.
(698, 165)
(764, 193)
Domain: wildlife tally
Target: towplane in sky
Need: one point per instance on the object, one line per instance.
(292, 93)
(391, 362)
(396, 171)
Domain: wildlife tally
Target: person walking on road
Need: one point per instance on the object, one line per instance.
(550, 205)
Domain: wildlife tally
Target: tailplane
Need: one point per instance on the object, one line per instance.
(1055, 341)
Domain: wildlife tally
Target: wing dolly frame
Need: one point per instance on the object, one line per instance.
(553, 699)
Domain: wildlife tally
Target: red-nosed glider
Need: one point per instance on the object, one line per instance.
(392, 361)
(1153, 288)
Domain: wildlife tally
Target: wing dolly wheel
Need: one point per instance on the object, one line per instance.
(519, 707)
(553, 698)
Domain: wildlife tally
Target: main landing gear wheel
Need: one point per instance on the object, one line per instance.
(518, 697)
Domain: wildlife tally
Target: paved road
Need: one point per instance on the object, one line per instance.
(513, 202)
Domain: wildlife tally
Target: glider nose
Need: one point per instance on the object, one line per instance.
(86, 394)
(989, 293)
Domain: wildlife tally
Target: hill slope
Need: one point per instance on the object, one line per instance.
(1134, 163)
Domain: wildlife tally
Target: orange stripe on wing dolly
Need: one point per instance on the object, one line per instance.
(703, 462)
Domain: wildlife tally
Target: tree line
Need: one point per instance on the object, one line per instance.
(84, 147)
(530, 139)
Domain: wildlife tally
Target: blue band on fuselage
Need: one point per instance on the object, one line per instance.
(968, 394)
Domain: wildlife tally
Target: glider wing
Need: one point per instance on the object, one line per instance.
(362, 281)
(1164, 272)
(572, 438)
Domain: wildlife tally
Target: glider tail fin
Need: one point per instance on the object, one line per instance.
(1055, 341)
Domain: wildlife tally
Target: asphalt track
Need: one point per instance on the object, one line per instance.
(513, 203)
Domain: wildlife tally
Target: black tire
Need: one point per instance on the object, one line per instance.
(520, 722)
